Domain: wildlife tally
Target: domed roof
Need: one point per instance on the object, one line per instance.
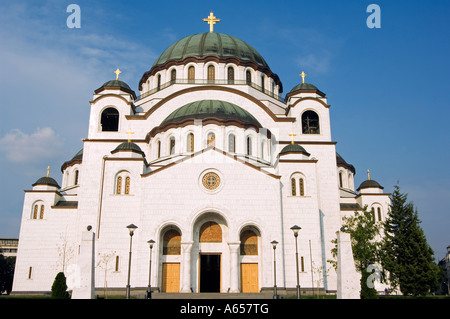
(77, 159)
(216, 109)
(202, 47)
(342, 163)
(203, 44)
(46, 181)
(128, 146)
(293, 148)
(369, 184)
(305, 87)
(116, 84)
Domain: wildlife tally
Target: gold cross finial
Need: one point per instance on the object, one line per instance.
(292, 134)
(211, 21)
(368, 175)
(129, 135)
(303, 75)
(117, 72)
(48, 171)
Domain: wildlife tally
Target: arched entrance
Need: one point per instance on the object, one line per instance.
(170, 259)
(249, 259)
(210, 253)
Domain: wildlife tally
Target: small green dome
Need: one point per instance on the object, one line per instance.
(46, 181)
(116, 84)
(212, 109)
(203, 44)
(369, 184)
(128, 146)
(305, 87)
(294, 148)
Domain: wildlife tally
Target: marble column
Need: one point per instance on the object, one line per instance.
(234, 267)
(348, 279)
(186, 250)
(86, 262)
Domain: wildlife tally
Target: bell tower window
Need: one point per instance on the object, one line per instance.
(110, 120)
(310, 123)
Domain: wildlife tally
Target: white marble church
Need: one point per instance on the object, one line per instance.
(209, 162)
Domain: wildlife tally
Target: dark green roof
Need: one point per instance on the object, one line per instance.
(341, 162)
(128, 146)
(294, 148)
(117, 84)
(46, 181)
(370, 183)
(212, 109)
(203, 44)
(305, 87)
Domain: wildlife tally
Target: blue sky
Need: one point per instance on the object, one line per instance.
(387, 87)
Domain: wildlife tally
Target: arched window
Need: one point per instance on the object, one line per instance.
(263, 82)
(248, 77)
(210, 232)
(297, 185)
(302, 186)
(41, 213)
(119, 185)
(123, 182)
(159, 149)
(249, 145)
(293, 187)
(232, 143)
(211, 141)
(127, 185)
(340, 180)
(76, 178)
(158, 82)
(190, 143)
(310, 123)
(172, 242)
(379, 213)
(191, 74)
(173, 76)
(172, 145)
(38, 210)
(110, 120)
(230, 75)
(211, 73)
(249, 243)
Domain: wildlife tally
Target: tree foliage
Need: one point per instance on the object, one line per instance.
(59, 287)
(406, 254)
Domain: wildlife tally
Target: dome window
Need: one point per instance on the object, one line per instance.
(190, 142)
(191, 74)
(230, 75)
(211, 73)
(110, 120)
(173, 76)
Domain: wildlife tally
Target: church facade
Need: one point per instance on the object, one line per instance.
(211, 164)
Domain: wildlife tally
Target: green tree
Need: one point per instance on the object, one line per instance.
(6, 273)
(406, 254)
(363, 231)
(59, 287)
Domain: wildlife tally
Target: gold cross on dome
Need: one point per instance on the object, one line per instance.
(368, 175)
(48, 171)
(292, 135)
(303, 75)
(211, 21)
(117, 72)
(130, 132)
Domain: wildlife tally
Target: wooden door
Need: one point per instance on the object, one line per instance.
(249, 277)
(170, 277)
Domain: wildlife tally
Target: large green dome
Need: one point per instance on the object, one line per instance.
(205, 109)
(204, 44)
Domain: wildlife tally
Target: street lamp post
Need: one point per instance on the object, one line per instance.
(296, 229)
(149, 288)
(275, 294)
(131, 229)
